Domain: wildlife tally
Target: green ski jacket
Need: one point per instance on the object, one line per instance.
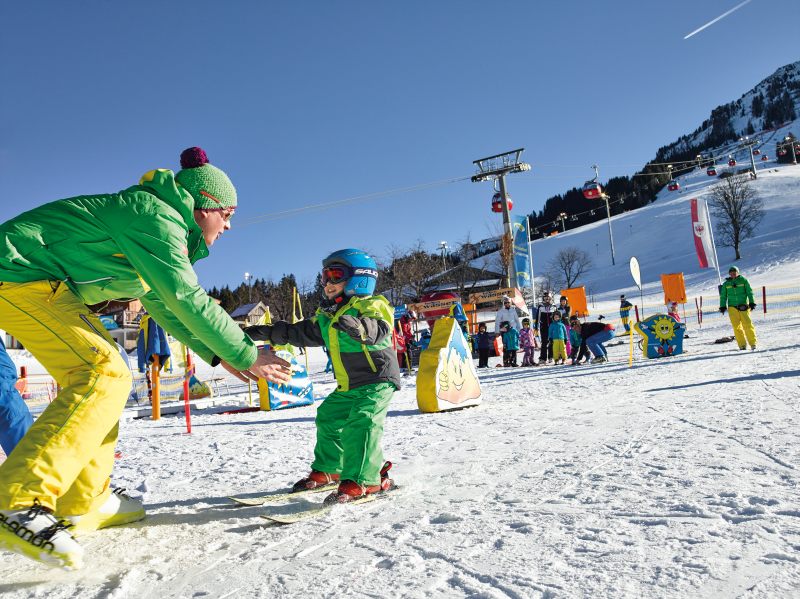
(735, 292)
(355, 363)
(138, 243)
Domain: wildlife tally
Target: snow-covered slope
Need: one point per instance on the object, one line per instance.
(660, 236)
(676, 478)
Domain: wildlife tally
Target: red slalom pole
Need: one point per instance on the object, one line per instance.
(186, 378)
(764, 296)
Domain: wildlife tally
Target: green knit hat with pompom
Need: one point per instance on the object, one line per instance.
(208, 185)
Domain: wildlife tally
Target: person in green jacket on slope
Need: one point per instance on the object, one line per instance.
(57, 259)
(736, 296)
(356, 327)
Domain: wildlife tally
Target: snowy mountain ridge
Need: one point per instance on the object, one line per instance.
(771, 103)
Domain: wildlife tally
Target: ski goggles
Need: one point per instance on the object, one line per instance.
(336, 273)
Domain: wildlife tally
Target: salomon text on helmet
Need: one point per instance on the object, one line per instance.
(361, 271)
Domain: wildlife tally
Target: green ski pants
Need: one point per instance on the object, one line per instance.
(349, 432)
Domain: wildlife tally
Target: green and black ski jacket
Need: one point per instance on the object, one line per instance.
(372, 359)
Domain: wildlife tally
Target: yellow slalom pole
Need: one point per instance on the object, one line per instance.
(249, 393)
(630, 358)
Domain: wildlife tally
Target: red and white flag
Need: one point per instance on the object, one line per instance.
(701, 231)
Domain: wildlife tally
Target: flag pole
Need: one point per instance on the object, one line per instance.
(530, 262)
(713, 243)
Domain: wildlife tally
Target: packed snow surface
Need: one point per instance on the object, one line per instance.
(676, 477)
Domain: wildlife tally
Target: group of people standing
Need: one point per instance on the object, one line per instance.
(553, 330)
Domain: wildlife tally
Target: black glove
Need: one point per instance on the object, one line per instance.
(752, 306)
(722, 309)
(351, 326)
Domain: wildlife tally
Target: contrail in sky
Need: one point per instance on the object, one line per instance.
(722, 16)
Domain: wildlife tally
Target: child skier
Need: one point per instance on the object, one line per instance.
(672, 310)
(624, 312)
(356, 327)
(510, 344)
(566, 312)
(579, 350)
(483, 342)
(527, 340)
(557, 333)
(544, 314)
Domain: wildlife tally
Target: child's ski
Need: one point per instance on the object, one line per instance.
(320, 510)
(281, 497)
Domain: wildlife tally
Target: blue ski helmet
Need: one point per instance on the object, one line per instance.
(363, 271)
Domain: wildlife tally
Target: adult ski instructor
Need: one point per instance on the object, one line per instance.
(62, 256)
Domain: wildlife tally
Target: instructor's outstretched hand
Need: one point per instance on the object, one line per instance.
(268, 366)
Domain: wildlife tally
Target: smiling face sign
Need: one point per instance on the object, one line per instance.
(447, 378)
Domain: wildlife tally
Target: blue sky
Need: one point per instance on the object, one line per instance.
(303, 103)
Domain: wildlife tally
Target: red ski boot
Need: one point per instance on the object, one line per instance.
(315, 479)
(349, 490)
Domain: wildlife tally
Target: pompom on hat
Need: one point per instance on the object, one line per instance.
(209, 186)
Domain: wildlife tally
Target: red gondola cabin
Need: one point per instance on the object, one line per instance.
(592, 190)
(765, 157)
(711, 171)
(731, 162)
(497, 203)
(673, 185)
(756, 152)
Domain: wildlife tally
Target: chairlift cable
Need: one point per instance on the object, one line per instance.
(351, 200)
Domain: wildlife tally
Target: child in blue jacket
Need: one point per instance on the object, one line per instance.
(557, 333)
(510, 344)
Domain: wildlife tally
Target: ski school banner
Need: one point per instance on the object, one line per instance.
(701, 231)
(522, 259)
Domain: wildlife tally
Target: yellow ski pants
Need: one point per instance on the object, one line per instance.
(742, 327)
(559, 349)
(66, 457)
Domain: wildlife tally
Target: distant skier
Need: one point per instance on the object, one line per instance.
(356, 326)
(544, 315)
(580, 352)
(566, 312)
(507, 313)
(672, 310)
(483, 343)
(624, 312)
(595, 334)
(557, 333)
(408, 335)
(528, 342)
(736, 296)
(510, 344)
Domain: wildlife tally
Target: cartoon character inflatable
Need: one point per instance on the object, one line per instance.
(299, 391)
(447, 378)
(663, 336)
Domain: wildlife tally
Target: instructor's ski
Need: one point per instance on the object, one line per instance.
(281, 497)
